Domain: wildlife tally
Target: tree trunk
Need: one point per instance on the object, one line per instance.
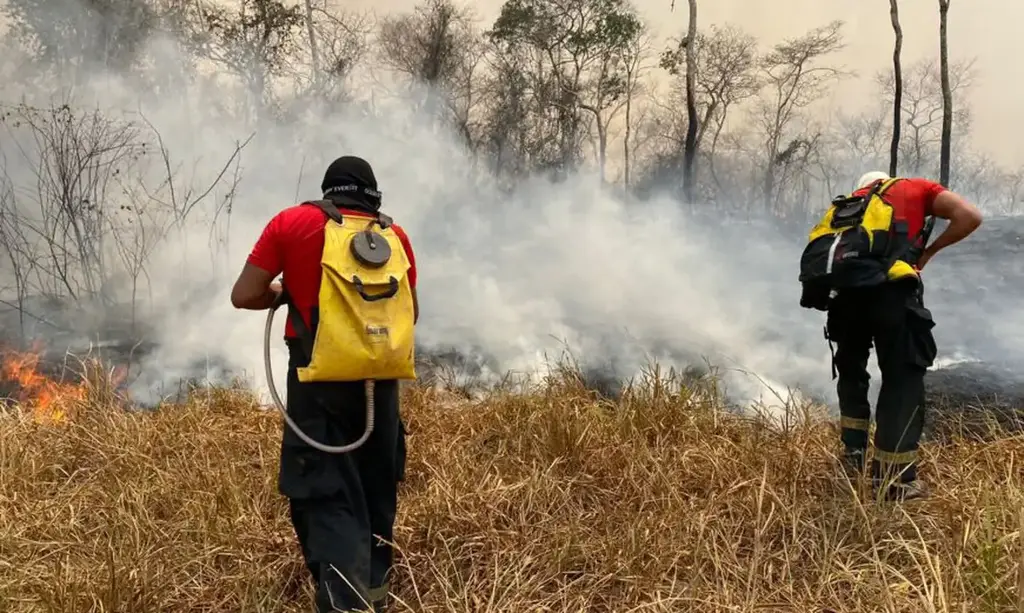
(690, 148)
(947, 96)
(602, 143)
(314, 54)
(602, 140)
(625, 140)
(897, 101)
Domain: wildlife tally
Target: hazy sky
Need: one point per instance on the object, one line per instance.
(988, 30)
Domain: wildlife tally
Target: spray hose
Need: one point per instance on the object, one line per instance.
(284, 412)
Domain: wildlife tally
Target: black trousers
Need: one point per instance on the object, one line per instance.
(893, 319)
(342, 505)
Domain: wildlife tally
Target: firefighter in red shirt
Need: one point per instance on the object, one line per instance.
(342, 505)
(892, 317)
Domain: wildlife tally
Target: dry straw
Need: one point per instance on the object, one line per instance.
(552, 501)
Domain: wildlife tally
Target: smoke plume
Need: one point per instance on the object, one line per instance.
(510, 278)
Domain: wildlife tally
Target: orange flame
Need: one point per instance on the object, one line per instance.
(48, 400)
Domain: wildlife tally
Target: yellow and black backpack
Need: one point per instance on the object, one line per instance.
(859, 242)
(365, 323)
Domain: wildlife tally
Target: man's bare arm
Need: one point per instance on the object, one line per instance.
(964, 218)
(253, 289)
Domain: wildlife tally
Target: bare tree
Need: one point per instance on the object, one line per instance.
(922, 107)
(341, 43)
(690, 152)
(947, 95)
(254, 42)
(15, 245)
(76, 159)
(508, 132)
(860, 139)
(68, 38)
(897, 71)
(135, 238)
(634, 56)
(612, 88)
(436, 46)
(86, 220)
(182, 201)
(427, 44)
(571, 51)
(726, 63)
(794, 81)
(544, 92)
(1014, 191)
(311, 33)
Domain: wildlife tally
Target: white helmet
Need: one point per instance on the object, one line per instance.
(870, 177)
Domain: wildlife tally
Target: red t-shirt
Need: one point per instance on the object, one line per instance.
(911, 200)
(293, 242)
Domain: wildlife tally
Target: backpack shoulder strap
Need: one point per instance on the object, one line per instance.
(303, 332)
(329, 209)
(878, 189)
(885, 185)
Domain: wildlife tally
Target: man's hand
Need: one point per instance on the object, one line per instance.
(254, 290)
(278, 291)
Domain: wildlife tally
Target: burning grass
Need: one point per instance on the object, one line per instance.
(551, 501)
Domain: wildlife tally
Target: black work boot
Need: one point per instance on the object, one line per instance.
(853, 462)
(849, 470)
(902, 492)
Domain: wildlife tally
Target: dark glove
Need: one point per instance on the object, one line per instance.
(815, 296)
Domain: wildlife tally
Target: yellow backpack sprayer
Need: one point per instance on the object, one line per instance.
(361, 335)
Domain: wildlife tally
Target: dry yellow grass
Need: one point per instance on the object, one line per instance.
(551, 501)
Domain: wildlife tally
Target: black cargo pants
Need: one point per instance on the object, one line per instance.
(343, 504)
(892, 317)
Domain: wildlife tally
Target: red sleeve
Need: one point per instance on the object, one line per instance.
(928, 190)
(407, 246)
(268, 252)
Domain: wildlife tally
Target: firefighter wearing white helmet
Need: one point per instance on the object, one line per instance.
(873, 296)
(868, 178)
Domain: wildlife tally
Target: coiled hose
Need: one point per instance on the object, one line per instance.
(284, 412)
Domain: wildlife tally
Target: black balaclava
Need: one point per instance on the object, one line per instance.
(349, 182)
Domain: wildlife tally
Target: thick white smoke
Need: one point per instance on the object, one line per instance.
(510, 277)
